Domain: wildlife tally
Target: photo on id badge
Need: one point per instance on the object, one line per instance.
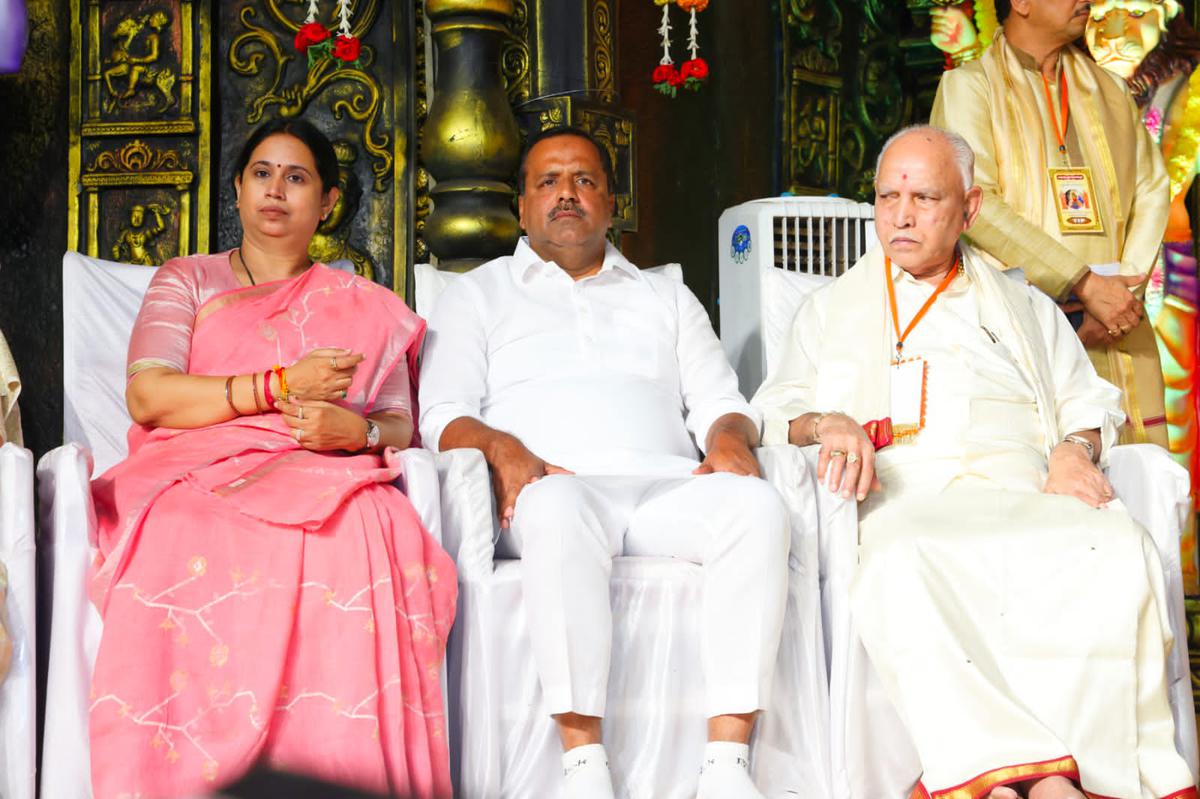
(1074, 199)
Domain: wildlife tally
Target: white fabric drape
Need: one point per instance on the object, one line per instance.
(18, 704)
(504, 745)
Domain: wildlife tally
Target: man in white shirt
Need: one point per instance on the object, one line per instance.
(588, 385)
(1016, 622)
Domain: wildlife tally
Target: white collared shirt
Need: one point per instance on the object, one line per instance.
(617, 373)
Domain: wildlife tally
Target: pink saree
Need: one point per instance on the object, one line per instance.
(263, 604)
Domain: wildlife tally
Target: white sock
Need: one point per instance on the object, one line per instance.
(585, 773)
(725, 773)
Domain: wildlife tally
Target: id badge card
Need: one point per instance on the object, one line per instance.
(908, 398)
(1075, 200)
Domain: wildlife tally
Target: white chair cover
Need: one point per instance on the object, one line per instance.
(872, 756)
(18, 691)
(100, 302)
(502, 741)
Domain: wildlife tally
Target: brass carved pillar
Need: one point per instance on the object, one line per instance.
(470, 143)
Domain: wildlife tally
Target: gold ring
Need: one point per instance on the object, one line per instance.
(852, 457)
(838, 453)
(1113, 332)
(333, 363)
(298, 433)
(300, 413)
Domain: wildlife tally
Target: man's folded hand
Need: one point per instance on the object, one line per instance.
(1072, 473)
(513, 468)
(1111, 300)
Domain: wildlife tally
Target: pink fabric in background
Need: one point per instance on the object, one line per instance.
(14, 34)
(264, 603)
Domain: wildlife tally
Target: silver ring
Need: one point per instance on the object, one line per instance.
(852, 457)
(333, 363)
(299, 433)
(837, 453)
(300, 413)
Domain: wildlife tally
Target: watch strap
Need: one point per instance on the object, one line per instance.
(1083, 442)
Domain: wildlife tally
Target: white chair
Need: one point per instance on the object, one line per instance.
(18, 691)
(872, 756)
(100, 302)
(504, 743)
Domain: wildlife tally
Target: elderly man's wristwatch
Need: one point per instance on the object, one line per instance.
(372, 435)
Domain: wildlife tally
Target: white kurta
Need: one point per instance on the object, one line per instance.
(1018, 634)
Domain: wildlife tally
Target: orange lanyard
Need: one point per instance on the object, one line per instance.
(1059, 132)
(891, 290)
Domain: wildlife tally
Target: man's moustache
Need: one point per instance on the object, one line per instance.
(566, 209)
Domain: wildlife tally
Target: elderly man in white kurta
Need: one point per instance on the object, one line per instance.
(1013, 610)
(588, 385)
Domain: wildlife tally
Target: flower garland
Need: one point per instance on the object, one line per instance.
(317, 42)
(694, 72)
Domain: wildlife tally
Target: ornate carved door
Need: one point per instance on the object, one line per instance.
(854, 72)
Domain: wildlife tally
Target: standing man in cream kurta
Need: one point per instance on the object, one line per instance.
(1011, 106)
(1017, 623)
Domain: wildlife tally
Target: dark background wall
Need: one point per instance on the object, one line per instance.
(702, 151)
(33, 217)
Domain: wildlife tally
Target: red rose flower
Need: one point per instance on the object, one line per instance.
(309, 34)
(696, 68)
(346, 48)
(693, 5)
(665, 73)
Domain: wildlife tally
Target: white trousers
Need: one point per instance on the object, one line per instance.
(567, 529)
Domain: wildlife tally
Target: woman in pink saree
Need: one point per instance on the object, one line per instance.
(269, 597)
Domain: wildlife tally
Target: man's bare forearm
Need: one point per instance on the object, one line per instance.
(801, 429)
(468, 433)
(732, 424)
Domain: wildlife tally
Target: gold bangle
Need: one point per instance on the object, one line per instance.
(229, 395)
(254, 387)
(816, 436)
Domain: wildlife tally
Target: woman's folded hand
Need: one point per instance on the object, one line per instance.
(322, 426)
(323, 374)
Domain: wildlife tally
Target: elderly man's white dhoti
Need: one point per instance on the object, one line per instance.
(1018, 634)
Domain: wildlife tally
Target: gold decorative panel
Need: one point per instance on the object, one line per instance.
(140, 129)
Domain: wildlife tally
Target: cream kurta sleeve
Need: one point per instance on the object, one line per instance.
(962, 105)
(1083, 400)
(10, 390)
(791, 386)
